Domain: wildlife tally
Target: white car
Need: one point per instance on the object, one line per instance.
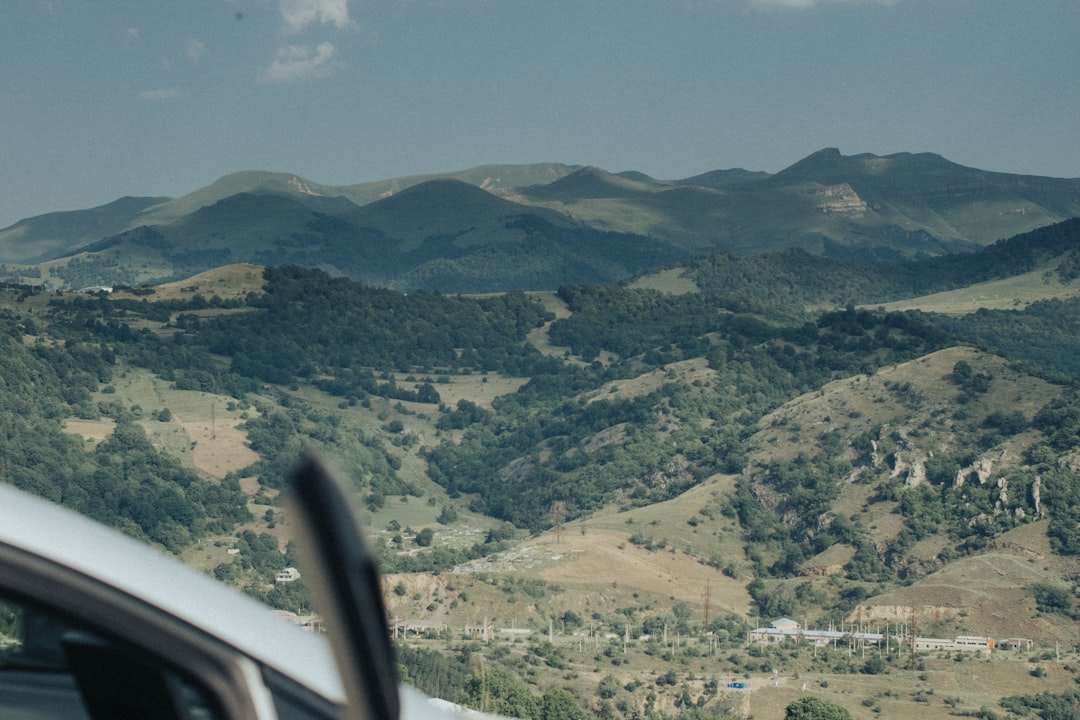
(94, 624)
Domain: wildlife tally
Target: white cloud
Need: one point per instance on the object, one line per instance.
(161, 94)
(195, 50)
(298, 62)
(298, 14)
(131, 33)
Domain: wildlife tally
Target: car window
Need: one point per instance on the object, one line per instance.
(294, 702)
(51, 667)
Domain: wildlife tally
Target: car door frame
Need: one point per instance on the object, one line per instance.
(234, 680)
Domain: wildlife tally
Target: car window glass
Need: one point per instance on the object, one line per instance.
(293, 702)
(51, 667)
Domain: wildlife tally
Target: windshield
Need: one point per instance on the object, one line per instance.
(704, 358)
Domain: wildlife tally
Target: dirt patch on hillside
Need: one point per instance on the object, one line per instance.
(987, 594)
(228, 282)
(684, 372)
(219, 449)
(604, 558)
(90, 430)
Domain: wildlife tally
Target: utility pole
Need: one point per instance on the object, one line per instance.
(558, 511)
(913, 636)
(708, 594)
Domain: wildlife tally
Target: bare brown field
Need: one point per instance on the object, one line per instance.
(219, 448)
(93, 431)
(604, 558)
(684, 372)
(539, 338)
(987, 594)
(671, 281)
(202, 431)
(228, 282)
(867, 401)
(1014, 293)
(480, 388)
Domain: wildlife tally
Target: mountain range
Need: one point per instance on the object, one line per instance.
(537, 226)
(774, 427)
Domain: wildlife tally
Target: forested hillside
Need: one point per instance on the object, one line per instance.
(560, 437)
(821, 461)
(795, 277)
(124, 481)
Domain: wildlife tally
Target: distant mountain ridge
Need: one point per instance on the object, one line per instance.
(539, 226)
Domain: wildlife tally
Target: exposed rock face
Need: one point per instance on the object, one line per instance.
(904, 613)
(914, 472)
(981, 469)
(841, 199)
(821, 570)
(1069, 461)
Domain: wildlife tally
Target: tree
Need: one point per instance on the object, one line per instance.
(558, 704)
(609, 687)
(812, 708)
(493, 689)
(682, 612)
(1050, 598)
(448, 516)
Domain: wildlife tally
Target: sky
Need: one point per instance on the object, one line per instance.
(127, 97)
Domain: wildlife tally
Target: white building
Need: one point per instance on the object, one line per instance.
(289, 574)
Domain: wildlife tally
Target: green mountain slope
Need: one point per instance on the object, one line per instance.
(796, 277)
(551, 224)
(440, 235)
(55, 234)
(447, 208)
(950, 201)
(47, 236)
(898, 206)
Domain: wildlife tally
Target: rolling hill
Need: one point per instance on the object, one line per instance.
(612, 470)
(551, 224)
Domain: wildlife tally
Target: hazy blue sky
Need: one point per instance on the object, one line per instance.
(105, 99)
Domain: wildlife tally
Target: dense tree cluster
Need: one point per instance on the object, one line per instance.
(1046, 705)
(124, 481)
(795, 278)
(308, 324)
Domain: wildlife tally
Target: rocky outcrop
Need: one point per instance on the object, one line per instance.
(980, 470)
(840, 199)
(913, 471)
(905, 613)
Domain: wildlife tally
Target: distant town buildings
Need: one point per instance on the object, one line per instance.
(787, 630)
(417, 627)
